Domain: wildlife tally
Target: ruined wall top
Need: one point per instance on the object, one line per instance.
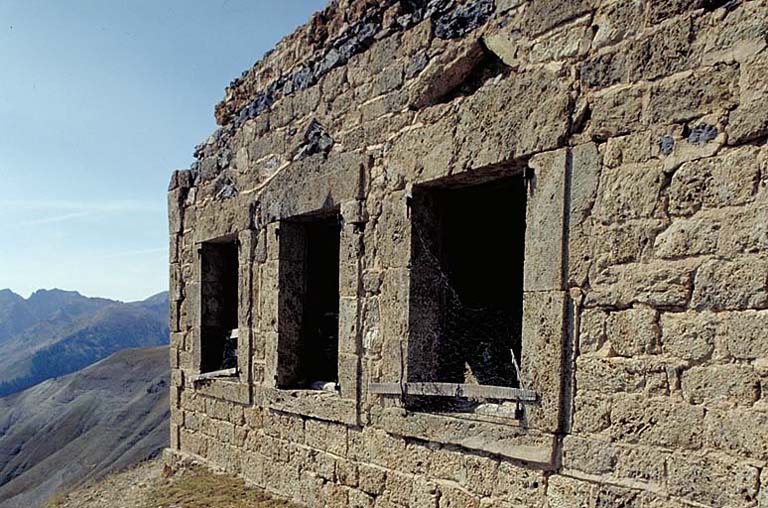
(332, 36)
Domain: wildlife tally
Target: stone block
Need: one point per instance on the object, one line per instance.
(634, 331)
(630, 192)
(372, 479)
(359, 499)
(287, 427)
(624, 242)
(712, 479)
(225, 389)
(349, 325)
(445, 464)
(592, 412)
(726, 180)
(659, 284)
(326, 436)
(393, 305)
(606, 376)
(546, 14)
(592, 330)
(545, 217)
(731, 384)
(606, 496)
(647, 465)
(393, 231)
(324, 182)
(616, 111)
(353, 212)
(694, 236)
(505, 45)
(543, 351)
(693, 94)
(347, 472)
(253, 468)
(193, 442)
(744, 230)
(663, 52)
(444, 74)
(220, 219)
(591, 456)
(518, 485)
(176, 210)
(663, 9)
(174, 442)
(566, 492)
(457, 498)
(658, 421)
(584, 180)
(520, 127)
(638, 147)
(604, 69)
(749, 121)
(738, 284)
(399, 489)
(616, 21)
(745, 334)
(569, 42)
(737, 37)
(689, 335)
(349, 372)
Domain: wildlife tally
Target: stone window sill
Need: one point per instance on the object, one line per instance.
(230, 388)
(318, 404)
(509, 439)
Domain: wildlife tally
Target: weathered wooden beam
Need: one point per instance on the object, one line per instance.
(216, 374)
(454, 390)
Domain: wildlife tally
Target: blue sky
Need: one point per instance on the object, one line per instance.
(99, 102)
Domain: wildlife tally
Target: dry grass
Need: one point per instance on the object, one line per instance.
(198, 488)
(146, 486)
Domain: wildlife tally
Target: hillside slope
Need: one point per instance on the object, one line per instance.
(67, 431)
(53, 333)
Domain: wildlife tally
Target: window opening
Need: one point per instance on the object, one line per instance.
(466, 292)
(309, 303)
(219, 298)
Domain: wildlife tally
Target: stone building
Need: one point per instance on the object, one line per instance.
(484, 254)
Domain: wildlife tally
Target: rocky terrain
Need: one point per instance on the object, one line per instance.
(68, 431)
(55, 332)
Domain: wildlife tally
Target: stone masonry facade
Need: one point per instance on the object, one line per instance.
(636, 130)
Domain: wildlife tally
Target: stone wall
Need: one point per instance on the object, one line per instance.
(641, 127)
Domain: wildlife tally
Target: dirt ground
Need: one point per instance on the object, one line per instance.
(148, 486)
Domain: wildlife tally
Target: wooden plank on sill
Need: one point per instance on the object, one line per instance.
(454, 390)
(216, 374)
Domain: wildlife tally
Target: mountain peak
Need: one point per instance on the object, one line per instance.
(159, 298)
(55, 292)
(8, 295)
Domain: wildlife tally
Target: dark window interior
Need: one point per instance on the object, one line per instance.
(467, 282)
(219, 290)
(309, 286)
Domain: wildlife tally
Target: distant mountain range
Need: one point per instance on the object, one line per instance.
(53, 333)
(66, 431)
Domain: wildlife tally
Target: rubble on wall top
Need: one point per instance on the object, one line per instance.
(450, 21)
